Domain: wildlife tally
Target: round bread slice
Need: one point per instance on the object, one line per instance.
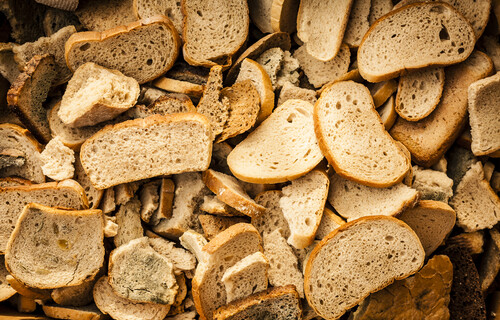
(282, 148)
(360, 257)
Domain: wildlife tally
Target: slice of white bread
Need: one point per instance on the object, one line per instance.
(287, 144)
(214, 30)
(128, 219)
(484, 118)
(225, 250)
(89, 312)
(6, 291)
(378, 9)
(181, 259)
(284, 15)
(353, 200)
(358, 23)
(163, 145)
(123, 309)
(97, 15)
(388, 113)
(246, 277)
(57, 160)
(179, 86)
(290, 91)
(354, 140)
(165, 104)
(273, 218)
(303, 202)
(419, 93)
(52, 248)
(96, 94)
(381, 249)
(94, 196)
(432, 185)
(429, 138)
(155, 50)
(321, 26)
(169, 8)
(382, 91)
(329, 222)
(429, 22)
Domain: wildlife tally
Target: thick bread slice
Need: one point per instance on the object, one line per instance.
(378, 9)
(432, 185)
(154, 41)
(57, 160)
(381, 249)
(213, 225)
(429, 22)
(128, 219)
(53, 248)
(290, 91)
(388, 113)
(169, 8)
(163, 145)
(17, 138)
(329, 222)
(321, 26)
(260, 14)
(284, 15)
(358, 23)
(29, 91)
(273, 218)
(287, 144)
(97, 15)
(89, 312)
(123, 309)
(225, 250)
(429, 138)
(382, 91)
(432, 221)
(303, 202)
(179, 86)
(94, 196)
(194, 242)
(280, 303)
(6, 291)
(214, 30)
(353, 139)
(166, 104)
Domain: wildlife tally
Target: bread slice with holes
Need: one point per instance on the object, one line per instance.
(169, 8)
(423, 23)
(378, 9)
(273, 218)
(358, 23)
(213, 225)
(96, 15)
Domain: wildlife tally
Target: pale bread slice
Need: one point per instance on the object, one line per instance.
(6, 291)
(213, 225)
(272, 60)
(438, 20)
(388, 114)
(381, 250)
(89, 312)
(128, 219)
(432, 185)
(57, 160)
(382, 91)
(329, 222)
(378, 9)
(284, 15)
(287, 144)
(290, 91)
(179, 86)
(97, 15)
(352, 75)
(194, 243)
(181, 259)
(354, 140)
(273, 218)
(358, 23)
(169, 8)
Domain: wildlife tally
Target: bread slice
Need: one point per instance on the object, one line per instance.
(190, 315)
(181, 259)
(491, 47)
(214, 31)
(321, 26)
(166, 104)
(483, 118)
(24, 19)
(17, 138)
(194, 242)
(169, 8)
(472, 241)
(319, 72)
(354, 140)
(179, 86)
(284, 15)
(13, 182)
(140, 140)
(11, 157)
(378, 9)
(211, 204)
(358, 23)
(329, 222)
(290, 91)
(89, 312)
(96, 15)
(387, 113)
(288, 72)
(382, 91)
(432, 185)
(128, 219)
(460, 160)
(149, 197)
(123, 309)
(382, 249)
(431, 137)
(280, 303)
(272, 61)
(273, 218)
(6, 291)
(38, 260)
(55, 20)
(440, 21)
(76, 296)
(490, 263)
(94, 196)
(213, 225)
(26, 291)
(8, 66)
(156, 49)
(57, 160)
(29, 91)
(260, 14)
(288, 144)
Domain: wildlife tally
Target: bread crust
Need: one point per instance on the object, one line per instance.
(168, 84)
(24, 132)
(277, 22)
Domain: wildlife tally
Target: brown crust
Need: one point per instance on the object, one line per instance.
(24, 132)
(267, 104)
(184, 99)
(277, 14)
(73, 313)
(95, 36)
(32, 293)
(384, 92)
(178, 86)
(16, 181)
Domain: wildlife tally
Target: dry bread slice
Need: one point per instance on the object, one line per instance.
(321, 26)
(97, 15)
(11, 157)
(260, 14)
(381, 250)
(273, 218)
(89, 312)
(162, 145)
(358, 23)
(429, 21)
(6, 291)
(53, 248)
(329, 222)
(55, 20)
(354, 140)
(214, 205)
(388, 113)
(378, 9)
(166, 104)
(382, 91)
(128, 219)
(287, 144)
(94, 196)
(290, 91)
(432, 185)
(181, 259)
(154, 42)
(213, 225)
(57, 160)
(284, 15)
(169, 8)
(179, 86)
(271, 61)
(194, 242)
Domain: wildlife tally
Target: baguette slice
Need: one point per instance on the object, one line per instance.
(381, 250)
(354, 140)
(154, 41)
(415, 46)
(168, 144)
(89, 312)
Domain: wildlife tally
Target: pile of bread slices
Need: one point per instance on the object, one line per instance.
(260, 159)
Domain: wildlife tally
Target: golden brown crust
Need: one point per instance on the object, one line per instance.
(24, 132)
(32, 293)
(266, 104)
(178, 86)
(384, 92)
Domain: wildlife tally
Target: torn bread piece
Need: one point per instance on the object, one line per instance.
(150, 199)
(213, 225)
(57, 160)
(194, 242)
(273, 218)
(432, 185)
(96, 15)
(181, 259)
(213, 205)
(128, 219)
(290, 91)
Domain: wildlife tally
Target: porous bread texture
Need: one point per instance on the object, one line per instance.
(154, 42)
(213, 225)
(290, 91)
(88, 312)
(287, 146)
(329, 222)
(169, 8)
(123, 309)
(181, 259)
(57, 160)
(484, 118)
(96, 94)
(128, 219)
(53, 248)
(214, 30)
(76, 296)
(271, 61)
(378, 9)
(6, 291)
(260, 14)
(194, 242)
(381, 249)
(288, 72)
(430, 21)
(156, 145)
(432, 185)
(353, 139)
(321, 25)
(419, 93)
(94, 196)
(97, 15)
(273, 218)
(358, 23)
(165, 104)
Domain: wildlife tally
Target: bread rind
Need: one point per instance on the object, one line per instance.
(79, 313)
(284, 15)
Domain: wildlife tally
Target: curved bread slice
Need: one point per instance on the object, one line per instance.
(354, 140)
(282, 148)
(163, 105)
(53, 248)
(284, 15)
(381, 249)
(415, 45)
(162, 145)
(388, 114)
(378, 9)
(329, 222)
(154, 41)
(260, 14)
(89, 312)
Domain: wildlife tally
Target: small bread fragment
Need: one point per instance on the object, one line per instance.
(329, 222)
(166, 104)
(89, 312)
(290, 91)
(94, 196)
(358, 23)
(97, 15)
(273, 218)
(213, 205)
(194, 242)
(57, 160)
(128, 219)
(213, 225)
(432, 185)
(150, 198)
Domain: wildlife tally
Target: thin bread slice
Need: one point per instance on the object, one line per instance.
(128, 219)
(388, 114)
(382, 91)
(329, 222)
(490, 263)
(429, 21)
(213, 225)
(169, 8)
(166, 104)
(214, 205)
(13, 182)
(358, 23)
(161, 141)
(273, 218)
(353, 139)
(271, 61)
(152, 57)
(57, 160)
(89, 312)
(6, 291)
(179, 86)
(382, 249)
(288, 146)
(94, 196)
(290, 91)
(97, 15)
(284, 15)
(38, 259)
(378, 9)
(260, 14)
(26, 291)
